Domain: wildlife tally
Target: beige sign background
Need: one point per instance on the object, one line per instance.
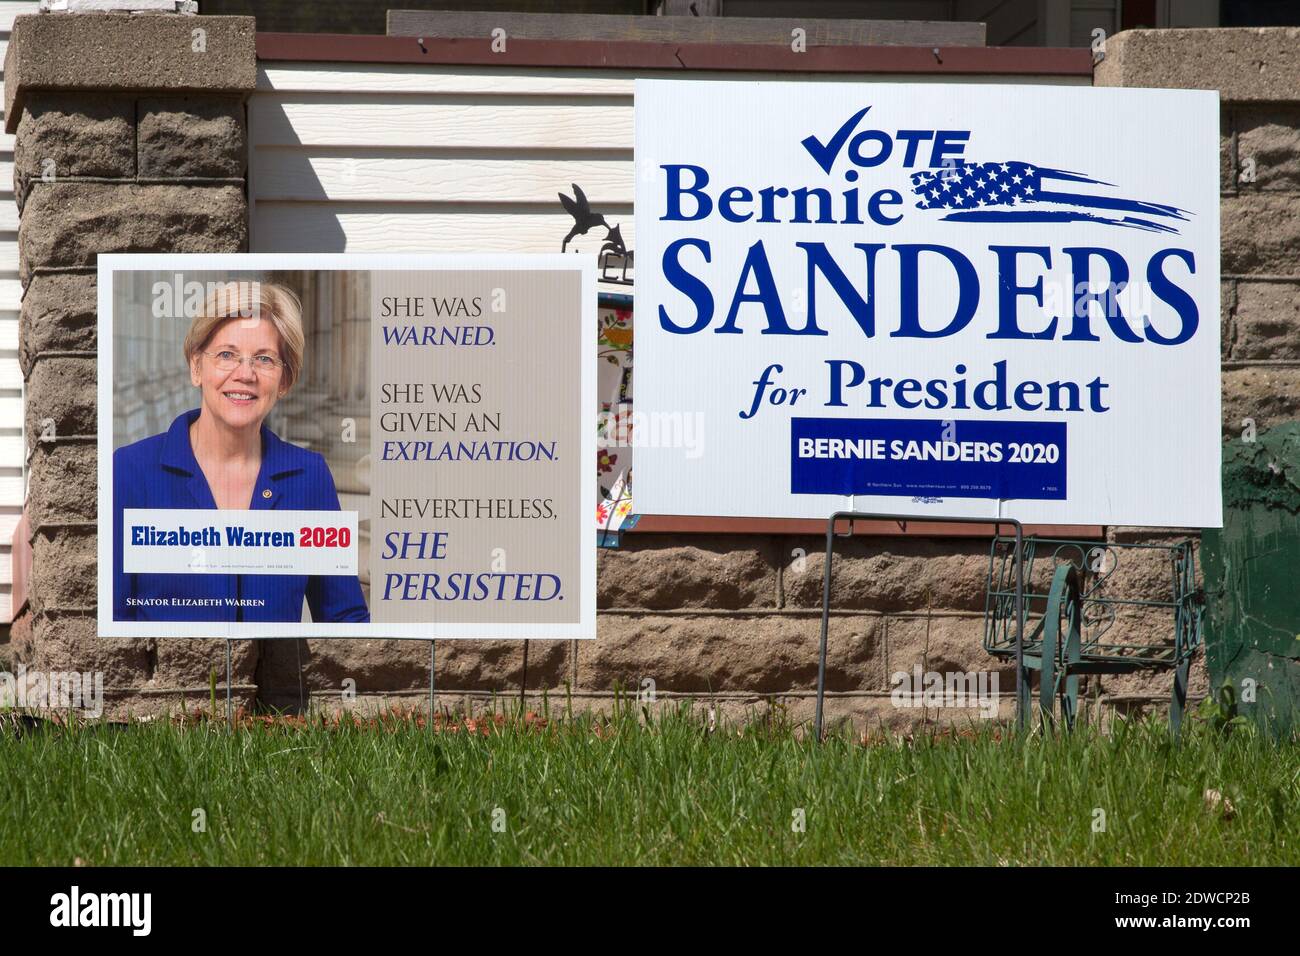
(476, 465)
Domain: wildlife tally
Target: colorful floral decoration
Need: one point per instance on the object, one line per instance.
(614, 416)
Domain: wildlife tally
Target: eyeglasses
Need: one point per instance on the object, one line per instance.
(227, 361)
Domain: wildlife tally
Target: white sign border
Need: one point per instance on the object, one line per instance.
(109, 264)
(791, 506)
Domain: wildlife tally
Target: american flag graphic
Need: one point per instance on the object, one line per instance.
(1022, 192)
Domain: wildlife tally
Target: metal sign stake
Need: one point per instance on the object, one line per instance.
(230, 699)
(523, 682)
(433, 654)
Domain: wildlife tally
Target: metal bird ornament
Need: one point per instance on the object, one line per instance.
(614, 243)
(583, 217)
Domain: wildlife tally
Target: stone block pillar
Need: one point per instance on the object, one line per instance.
(130, 136)
(1257, 74)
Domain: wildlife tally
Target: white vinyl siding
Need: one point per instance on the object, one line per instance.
(1007, 22)
(1042, 22)
(11, 377)
(1089, 15)
(378, 157)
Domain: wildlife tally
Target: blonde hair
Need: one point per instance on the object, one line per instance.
(253, 301)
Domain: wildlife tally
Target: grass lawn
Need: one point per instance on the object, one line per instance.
(622, 790)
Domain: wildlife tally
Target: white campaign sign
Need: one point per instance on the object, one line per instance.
(425, 467)
(927, 299)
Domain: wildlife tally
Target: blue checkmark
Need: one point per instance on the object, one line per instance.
(824, 154)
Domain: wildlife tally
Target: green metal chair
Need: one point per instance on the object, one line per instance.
(1076, 624)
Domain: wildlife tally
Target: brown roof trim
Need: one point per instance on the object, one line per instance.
(688, 524)
(643, 55)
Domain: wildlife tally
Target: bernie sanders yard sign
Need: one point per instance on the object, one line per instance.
(927, 299)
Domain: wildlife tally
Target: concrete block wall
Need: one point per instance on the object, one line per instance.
(144, 161)
(1257, 74)
(728, 619)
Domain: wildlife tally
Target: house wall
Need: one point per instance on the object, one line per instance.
(339, 158)
(402, 158)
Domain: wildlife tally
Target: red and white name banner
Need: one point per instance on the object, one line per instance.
(199, 541)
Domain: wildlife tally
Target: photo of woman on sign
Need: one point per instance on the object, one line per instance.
(244, 352)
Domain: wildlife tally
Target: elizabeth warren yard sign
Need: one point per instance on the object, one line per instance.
(928, 299)
(347, 446)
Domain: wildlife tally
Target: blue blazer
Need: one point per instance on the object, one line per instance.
(161, 472)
